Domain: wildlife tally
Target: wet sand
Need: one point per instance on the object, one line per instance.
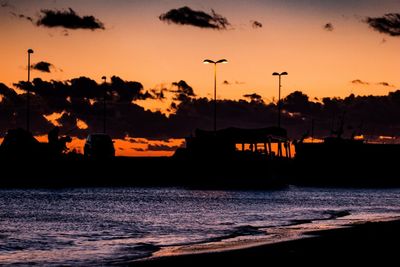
(375, 243)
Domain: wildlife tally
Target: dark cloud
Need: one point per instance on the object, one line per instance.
(129, 91)
(82, 99)
(42, 66)
(184, 92)
(388, 24)
(230, 83)
(380, 114)
(8, 93)
(85, 88)
(186, 16)
(136, 141)
(13, 111)
(254, 97)
(385, 84)
(6, 4)
(69, 124)
(157, 147)
(159, 93)
(328, 27)
(22, 16)
(358, 81)
(73, 99)
(256, 24)
(68, 19)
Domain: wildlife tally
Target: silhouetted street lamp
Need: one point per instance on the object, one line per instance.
(279, 95)
(30, 51)
(208, 61)
(104, 102)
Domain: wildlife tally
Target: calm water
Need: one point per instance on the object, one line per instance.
(114, 225)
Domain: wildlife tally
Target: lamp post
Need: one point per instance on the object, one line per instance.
(208, 61)
(279, 95)
(104, 78)
(30, 51)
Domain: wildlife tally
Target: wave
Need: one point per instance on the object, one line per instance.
(131, 253)
(244, 230)
(332, 215)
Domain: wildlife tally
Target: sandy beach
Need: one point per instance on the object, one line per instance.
(367, 243)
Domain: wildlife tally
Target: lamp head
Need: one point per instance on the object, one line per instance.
(223, 61)
(279, 74)
(208, 61)
(104, 77)
(30, 51)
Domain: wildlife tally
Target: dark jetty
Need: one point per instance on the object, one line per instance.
(338, 161)
(230, 158)
(210, 160)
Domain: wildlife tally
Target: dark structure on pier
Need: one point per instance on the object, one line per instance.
(237, 144)
(337, 162)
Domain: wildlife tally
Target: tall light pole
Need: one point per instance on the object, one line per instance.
(279, 95)
(208, 61)
(30, 51)
(104, 102)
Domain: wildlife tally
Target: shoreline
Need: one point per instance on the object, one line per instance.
(359, 241)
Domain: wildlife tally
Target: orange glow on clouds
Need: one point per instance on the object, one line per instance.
(81, 124)
(54, 117)
(129, 147)
(133, 147)
(140, 147)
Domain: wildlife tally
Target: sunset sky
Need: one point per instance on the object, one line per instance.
(327, 47)
(137, 45)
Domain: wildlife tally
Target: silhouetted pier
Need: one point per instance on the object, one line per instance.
(237, 144)
(347, 162)
(231, 158)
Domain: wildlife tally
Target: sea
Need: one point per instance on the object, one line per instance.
(112, 226)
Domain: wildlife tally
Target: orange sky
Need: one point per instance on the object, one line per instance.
(134, 147)
(136, 45)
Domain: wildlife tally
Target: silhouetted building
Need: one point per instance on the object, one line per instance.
(340, 161)
(99, 146)
(19, 143)
(237, 143)
(53, 134)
